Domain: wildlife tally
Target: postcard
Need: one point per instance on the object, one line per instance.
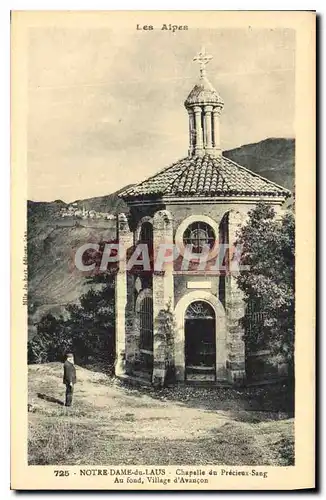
(163, 250)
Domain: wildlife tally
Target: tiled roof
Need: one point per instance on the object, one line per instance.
(203, 93)
(205, 176)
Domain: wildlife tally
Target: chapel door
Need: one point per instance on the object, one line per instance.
(200, 346)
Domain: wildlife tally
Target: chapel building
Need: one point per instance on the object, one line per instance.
(198, 202)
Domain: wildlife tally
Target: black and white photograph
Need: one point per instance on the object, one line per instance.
(160, 249)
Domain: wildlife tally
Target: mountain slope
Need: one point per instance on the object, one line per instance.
(53, 278)
(271, 158)
(108, 203)
(43, 212)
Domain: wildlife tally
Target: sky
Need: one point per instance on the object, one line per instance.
(106, 106)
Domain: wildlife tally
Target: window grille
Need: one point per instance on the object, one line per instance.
(197, 235)
(255, 320)
(199, 309)
(146, 235)
(146, 324)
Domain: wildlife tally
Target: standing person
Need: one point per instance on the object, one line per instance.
(69, 377)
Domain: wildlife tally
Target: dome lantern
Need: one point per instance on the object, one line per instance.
(204, 106)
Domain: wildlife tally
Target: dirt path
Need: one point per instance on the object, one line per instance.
(115, 424)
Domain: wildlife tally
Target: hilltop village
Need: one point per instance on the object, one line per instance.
(75, 211)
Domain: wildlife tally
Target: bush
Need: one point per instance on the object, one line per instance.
(88, 331)
(50, 342)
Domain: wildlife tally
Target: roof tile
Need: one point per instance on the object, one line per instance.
(205, 176)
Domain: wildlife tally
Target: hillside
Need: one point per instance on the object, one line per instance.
(109, 203)
(53, 278)
(271, 158)
(40, 213)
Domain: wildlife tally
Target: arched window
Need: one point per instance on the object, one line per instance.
(197, 235)
(224, 229)
(146, 324)
(146, 235)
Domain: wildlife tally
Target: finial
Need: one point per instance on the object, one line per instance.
(203, 58)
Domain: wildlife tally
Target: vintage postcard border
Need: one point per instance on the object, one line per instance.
(302, 474)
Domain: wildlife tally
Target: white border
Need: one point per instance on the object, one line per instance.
(5, 156)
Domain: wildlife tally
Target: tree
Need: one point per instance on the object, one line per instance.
(90, 325)
(50, 342)
(88, 331)
(268, 248)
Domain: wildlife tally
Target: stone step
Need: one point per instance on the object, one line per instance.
(136, 379)
(207, 377)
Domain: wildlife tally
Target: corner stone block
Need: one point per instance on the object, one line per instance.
(121, 297)
(163, 293)
(235, 308)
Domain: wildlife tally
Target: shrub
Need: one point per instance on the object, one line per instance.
(165, 333)
(88, 331)
(268, 248)
(50, 342)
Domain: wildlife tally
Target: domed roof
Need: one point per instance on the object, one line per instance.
(205, 172)
(206, 176)
(204, 93)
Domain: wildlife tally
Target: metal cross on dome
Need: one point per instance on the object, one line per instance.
(203, 58)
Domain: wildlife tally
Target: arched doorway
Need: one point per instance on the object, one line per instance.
(200, 341)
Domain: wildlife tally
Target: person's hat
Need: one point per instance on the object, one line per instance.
(69, 355)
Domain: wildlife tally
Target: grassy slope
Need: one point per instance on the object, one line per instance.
(111, 424)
